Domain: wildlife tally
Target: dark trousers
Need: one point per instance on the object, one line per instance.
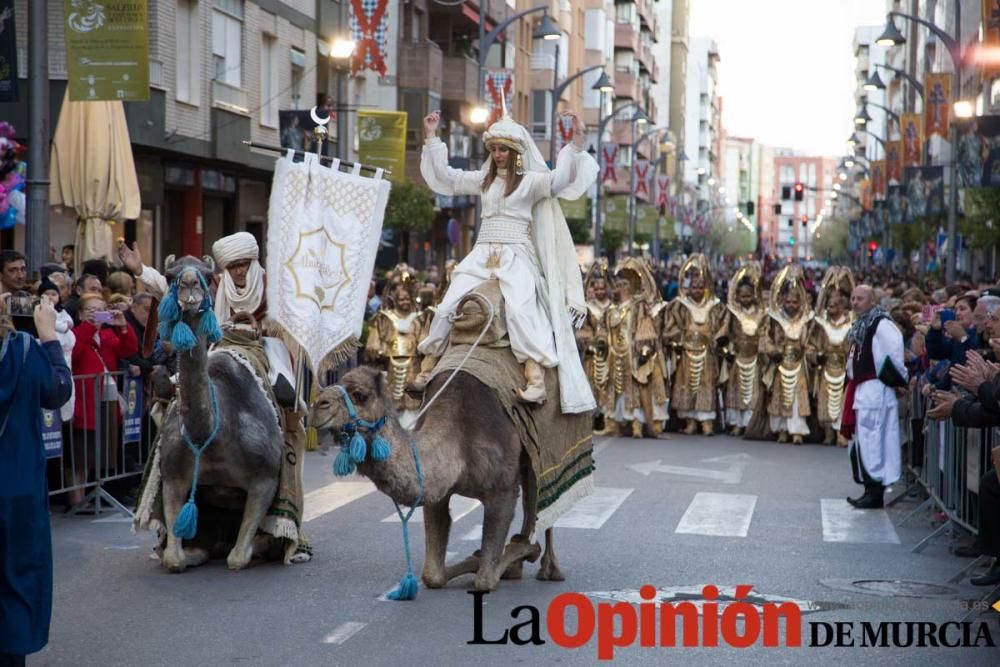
(11, 660)
(988, 539)
(861, 475)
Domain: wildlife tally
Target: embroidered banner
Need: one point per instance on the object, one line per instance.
(642, 178)
(565, 126)
(893, 170)
(911, 132)
(370, 28)
(878, 179)
(610, 164)
(990, 48)
(937, 104)
(324, 231)
(498, 81)
(382, 141)
(865, 189)
(662, 190)
(107, 51)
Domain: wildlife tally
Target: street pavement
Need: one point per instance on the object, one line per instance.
(678, 513)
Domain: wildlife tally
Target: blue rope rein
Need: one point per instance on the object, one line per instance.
(354, 450)
(186, 525)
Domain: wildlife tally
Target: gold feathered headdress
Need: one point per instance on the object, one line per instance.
(789, 279)
(639, 276)
(837, 279)
(599, 270)
(696, 265)
(749, 273)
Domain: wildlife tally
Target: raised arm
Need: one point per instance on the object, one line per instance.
(440, 177)
(154, 281)
(575, 169)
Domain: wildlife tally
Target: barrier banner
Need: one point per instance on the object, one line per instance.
(52, 433)
(107, 51)
(132, 410)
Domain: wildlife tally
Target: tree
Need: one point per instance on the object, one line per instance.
(410, 209)
(830, 240)
(612, 240)
(579, 230)
(982, 217)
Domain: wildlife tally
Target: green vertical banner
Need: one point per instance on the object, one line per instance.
(107, 50)
(575, 209)
(616, 212)
(382, 141)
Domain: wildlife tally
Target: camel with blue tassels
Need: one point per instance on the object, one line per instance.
(220, 440)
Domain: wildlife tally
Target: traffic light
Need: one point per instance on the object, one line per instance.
(799, 191)
(791, 240)
(805, 221)
(777, 209)
(750, 208)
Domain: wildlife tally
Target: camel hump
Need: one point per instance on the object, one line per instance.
(473, 312)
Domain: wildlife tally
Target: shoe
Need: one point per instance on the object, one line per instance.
(736, 432)
(796, 439)
(967, 551)
(708, 428)
(534, 374)
(690, 428)
(989, 578)
(869, 501)
(636, 430)
(782, 437)
(841, 440)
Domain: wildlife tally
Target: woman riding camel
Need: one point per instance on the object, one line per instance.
(525, 244)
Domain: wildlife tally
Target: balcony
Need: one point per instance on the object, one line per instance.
(230, 98)
(645, 57)
(626, 37)
(645, 10)
(461, 79)
(420, 65)
(625, 85)
(156, 74)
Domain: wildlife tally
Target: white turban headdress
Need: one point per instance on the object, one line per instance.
(237, 247)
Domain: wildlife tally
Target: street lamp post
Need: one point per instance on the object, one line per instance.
(891, 36)
(631, 197)
(638, 116)
(341, 51)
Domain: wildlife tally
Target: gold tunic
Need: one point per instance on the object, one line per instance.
(692, 328)
(593, 340)
(829, 339)
(743, 372)
(787, 378)
(635, 360)
(392, 343)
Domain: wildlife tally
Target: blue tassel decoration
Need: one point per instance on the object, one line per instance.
(182, 338)
(380, 449)
(169, 309)
(342, 465)
(359, 449)
(186, 526)
(209, 327)
(407, 589)
(166, 330)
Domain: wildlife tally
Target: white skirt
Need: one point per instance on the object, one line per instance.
(528, 324)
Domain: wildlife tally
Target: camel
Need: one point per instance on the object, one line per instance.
(467, 445)
(239, 470)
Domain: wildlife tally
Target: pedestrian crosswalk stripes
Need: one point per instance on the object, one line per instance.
(334, 496)
(843, 523)
(718, 514)
(459, 507)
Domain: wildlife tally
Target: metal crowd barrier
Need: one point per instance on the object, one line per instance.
(87, 457)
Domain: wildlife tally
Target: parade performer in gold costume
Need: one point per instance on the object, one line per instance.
(741, 370)
(637, 390)
(782, 343)
(691, 325)
(827, 348)
(395, 332)
(593, 337)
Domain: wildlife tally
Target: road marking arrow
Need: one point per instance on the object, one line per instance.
(733, 474)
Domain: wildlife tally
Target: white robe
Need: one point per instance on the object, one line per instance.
(506, 250)
(876, 434)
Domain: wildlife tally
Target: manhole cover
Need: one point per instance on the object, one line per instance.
(891, 587)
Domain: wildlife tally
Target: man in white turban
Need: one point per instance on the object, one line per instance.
(241, 286)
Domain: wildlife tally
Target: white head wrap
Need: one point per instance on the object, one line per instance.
(237, 247)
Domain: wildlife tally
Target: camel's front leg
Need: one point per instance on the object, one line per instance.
(259, 497)
(174, 496)
(497, 515)
(437, 526)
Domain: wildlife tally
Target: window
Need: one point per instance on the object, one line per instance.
(227, 41)
(625, 12)
(298, 58)
(541, 113)
(268, 81)
(188, 61)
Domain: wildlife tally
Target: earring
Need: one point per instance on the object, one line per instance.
(519, 165)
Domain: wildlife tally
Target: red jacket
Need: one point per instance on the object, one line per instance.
(87, 357)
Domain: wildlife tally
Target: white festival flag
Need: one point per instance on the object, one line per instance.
(323, 234)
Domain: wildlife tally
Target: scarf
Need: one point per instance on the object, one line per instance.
(859, 330)
(230, 297)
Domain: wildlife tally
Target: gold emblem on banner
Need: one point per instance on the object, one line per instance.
(319, 268)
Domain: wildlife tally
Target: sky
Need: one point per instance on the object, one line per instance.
(786, 72)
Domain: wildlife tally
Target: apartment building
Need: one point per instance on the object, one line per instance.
(790, 235)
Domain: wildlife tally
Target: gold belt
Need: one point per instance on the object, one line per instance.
(399, 368)
(696, 368)
(834, 393)
(789, 381)
(600, 370)
(746, 373)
